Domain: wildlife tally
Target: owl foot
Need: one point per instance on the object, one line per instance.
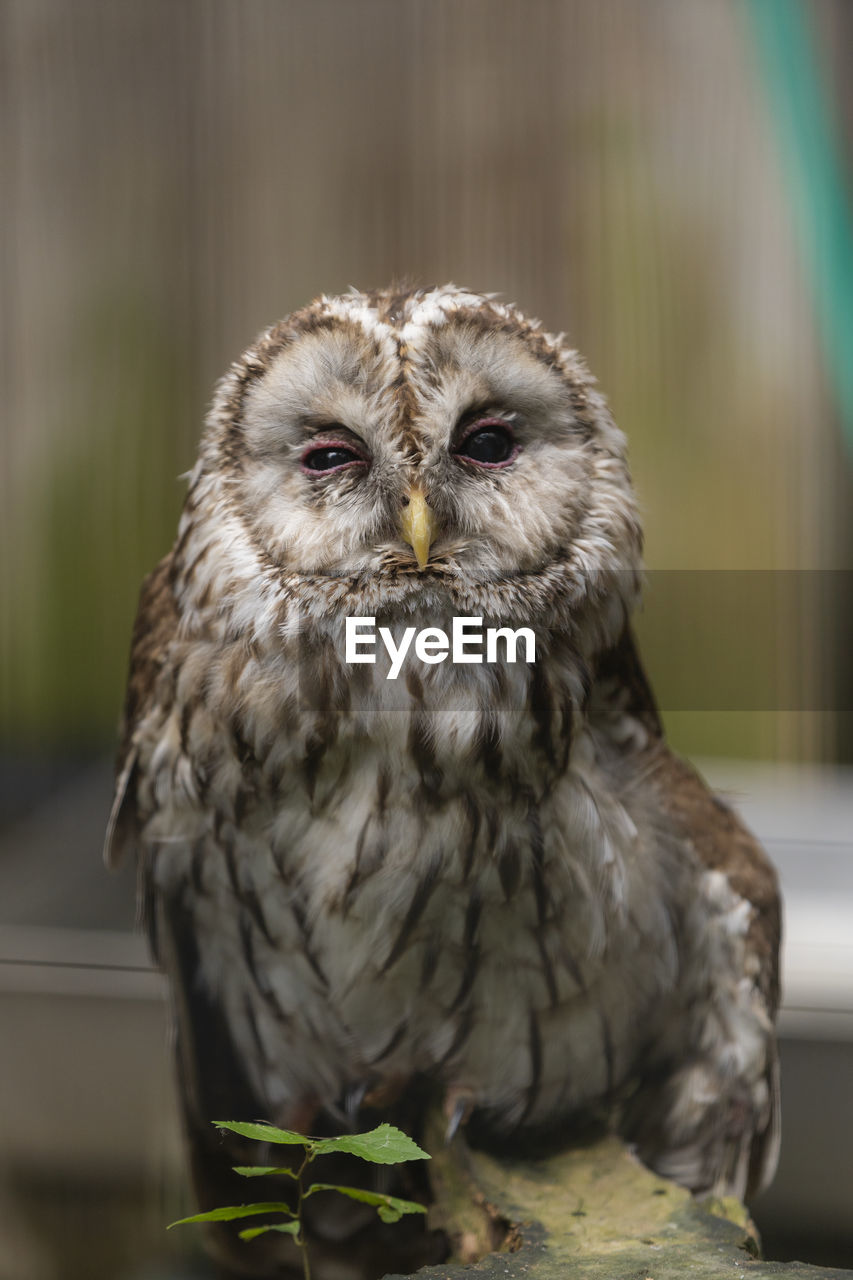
(458, 1105)
(353, 1099)
(389, 1091)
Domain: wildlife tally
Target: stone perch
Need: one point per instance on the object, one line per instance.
(593, 1213)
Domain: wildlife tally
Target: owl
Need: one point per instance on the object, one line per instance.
(409, 872)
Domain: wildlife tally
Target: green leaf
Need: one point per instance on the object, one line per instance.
(389, 1208)
(265, 1133)
(260, 1170)
(288, 1228)
(229, 1212)
(384, 1145)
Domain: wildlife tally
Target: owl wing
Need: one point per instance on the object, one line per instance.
(723, 843)
(155, 626)
(620, 677)
(714, 832)
(705, 824)
(210, 1071)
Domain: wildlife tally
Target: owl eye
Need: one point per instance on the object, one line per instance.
(489, 442)
(330, 457)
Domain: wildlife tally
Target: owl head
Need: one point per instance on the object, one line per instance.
(427, 449)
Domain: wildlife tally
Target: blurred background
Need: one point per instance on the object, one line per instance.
(669, 182)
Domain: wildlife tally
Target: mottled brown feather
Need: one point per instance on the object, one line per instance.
(156, 622)
(723, 843)
(716, 834)
(155, 625)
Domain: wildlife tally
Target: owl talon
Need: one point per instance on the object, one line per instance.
(353, 1098)
(458, 1105)
(386, 1093)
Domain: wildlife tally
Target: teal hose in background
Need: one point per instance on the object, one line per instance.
(813, 161)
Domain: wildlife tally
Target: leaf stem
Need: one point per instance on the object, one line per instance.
(300, 1239)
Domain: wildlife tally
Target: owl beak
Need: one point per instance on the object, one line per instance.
(417, 525)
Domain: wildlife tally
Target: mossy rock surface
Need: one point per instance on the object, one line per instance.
(594, 1213)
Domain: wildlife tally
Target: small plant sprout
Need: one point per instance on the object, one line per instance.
(383, 1145)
